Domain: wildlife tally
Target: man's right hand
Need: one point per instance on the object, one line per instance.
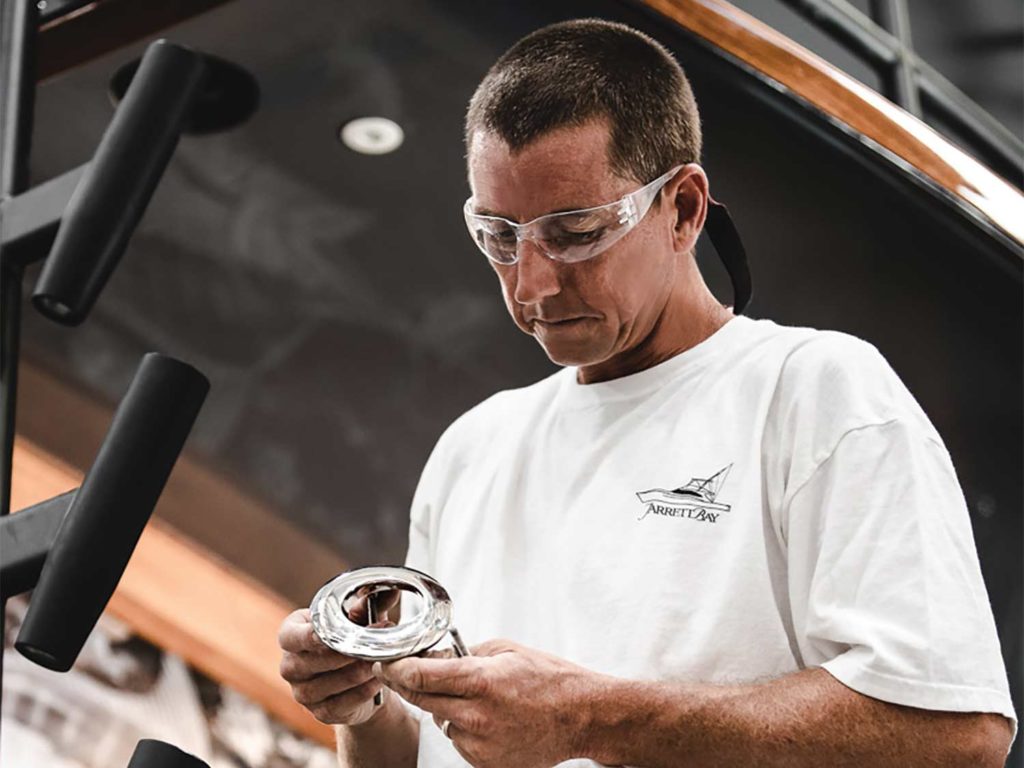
(336, 689)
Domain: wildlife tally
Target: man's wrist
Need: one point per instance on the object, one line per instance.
(615, 710)
(390, 712)
(607, 715)
(389, 737)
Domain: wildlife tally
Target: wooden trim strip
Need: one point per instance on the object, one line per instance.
(199, 502)
(852, 103)
(179, 596)
(102, 26)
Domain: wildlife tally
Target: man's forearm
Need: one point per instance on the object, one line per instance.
(388, 740)
(804, 719)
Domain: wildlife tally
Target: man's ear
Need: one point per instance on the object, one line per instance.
(688, 191)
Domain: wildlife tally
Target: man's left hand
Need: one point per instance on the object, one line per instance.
(509, 705)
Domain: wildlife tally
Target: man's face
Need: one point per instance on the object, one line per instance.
(593, 313)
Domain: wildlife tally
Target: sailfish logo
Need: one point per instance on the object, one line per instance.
(697, 500)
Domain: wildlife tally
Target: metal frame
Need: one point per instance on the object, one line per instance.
(883, 42)
(18, 20)
(27, 538)
(165, 394)
(18, 23)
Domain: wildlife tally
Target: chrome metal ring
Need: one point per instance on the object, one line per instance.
(414, 635)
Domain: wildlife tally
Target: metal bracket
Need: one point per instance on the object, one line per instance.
(31, 218)
(25, 541)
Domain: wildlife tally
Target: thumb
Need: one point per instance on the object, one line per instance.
(494, 647)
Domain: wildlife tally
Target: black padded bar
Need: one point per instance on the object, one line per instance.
(120, 180)
(110, 510)
(150, 753)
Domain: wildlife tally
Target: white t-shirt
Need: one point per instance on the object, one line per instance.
(769, 500)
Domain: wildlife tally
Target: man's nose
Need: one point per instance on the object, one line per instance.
(536, 274)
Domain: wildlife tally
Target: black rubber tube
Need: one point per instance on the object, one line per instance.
(116, 188)
(110, 510)
(150, 753)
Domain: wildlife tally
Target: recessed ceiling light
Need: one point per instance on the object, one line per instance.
(372, 135)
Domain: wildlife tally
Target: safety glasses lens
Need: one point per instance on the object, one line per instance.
(575, 237)
(495, 239)
(566, 238)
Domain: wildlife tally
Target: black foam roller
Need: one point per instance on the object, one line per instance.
(150, 753)
(110, 509)
(119, 182)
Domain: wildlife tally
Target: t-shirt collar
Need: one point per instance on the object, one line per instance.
(573, 393)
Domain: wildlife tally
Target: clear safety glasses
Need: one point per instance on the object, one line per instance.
(568, 236)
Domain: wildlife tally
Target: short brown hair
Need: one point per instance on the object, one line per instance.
(572, 72)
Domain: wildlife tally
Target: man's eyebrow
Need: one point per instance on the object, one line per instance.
(488, 212)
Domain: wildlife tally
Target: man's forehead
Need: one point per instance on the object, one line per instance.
(562, 170)
(587, 144)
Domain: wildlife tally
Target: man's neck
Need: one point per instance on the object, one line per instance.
(673, 333)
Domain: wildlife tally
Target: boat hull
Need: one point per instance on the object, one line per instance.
(661, 496)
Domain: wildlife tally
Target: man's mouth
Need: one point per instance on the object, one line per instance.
(564, 322)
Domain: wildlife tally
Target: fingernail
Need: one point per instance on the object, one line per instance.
(377, 669)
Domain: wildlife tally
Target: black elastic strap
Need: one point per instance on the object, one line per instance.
(726, 239)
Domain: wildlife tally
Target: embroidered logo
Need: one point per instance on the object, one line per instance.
(697, 500)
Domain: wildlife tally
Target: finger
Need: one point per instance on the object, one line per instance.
(455, 731)
(337, 709)
(443, 653)
(385, 601)
(494, 647)
(450, 677)
(440, 721)
(443, 707)
(296, 633)
(464, 753)
(468, 745)
(358, 609)
(322, 687)
(296, 667)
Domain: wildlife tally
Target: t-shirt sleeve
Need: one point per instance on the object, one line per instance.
(884, 579)
(418, 554)
(423, 510)
(884, 583)
(445, 466)
(434, 482)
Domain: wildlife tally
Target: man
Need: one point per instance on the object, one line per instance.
(712, 540)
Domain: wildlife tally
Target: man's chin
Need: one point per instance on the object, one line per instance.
(574, 355)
